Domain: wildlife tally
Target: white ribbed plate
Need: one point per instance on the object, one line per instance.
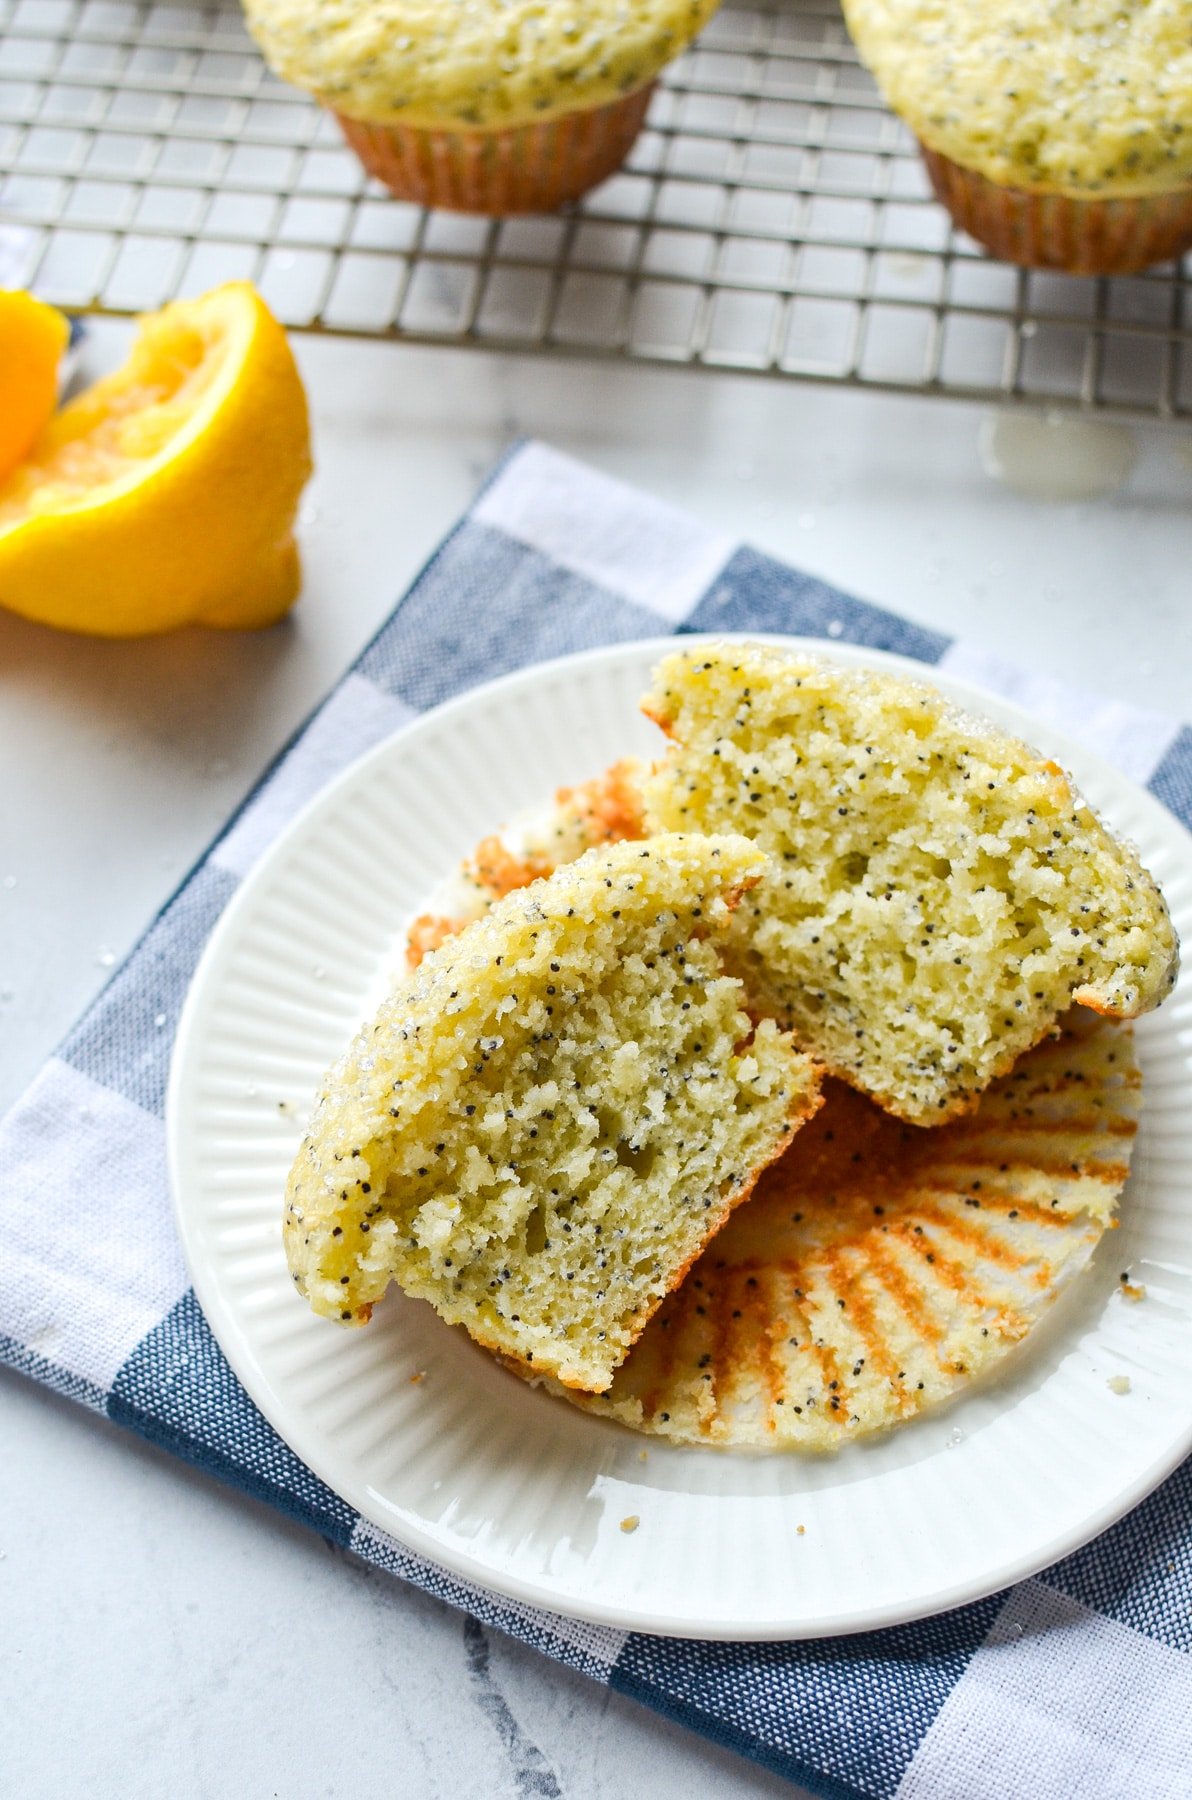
(434, 1443)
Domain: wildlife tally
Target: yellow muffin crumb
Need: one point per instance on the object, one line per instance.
(481, 64)
(546, 1122)
(1085, 98)
(938, 894)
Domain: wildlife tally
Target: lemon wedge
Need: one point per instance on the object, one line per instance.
(32, 339)
(166, 494)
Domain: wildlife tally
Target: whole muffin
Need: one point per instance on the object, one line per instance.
(487, 106)
(1057, 132)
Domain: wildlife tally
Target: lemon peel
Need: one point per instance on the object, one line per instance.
(32, 339)
(166, 493)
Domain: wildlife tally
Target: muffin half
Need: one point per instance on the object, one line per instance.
(937, 893)
(546, 1123)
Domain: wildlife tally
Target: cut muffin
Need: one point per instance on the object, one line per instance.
(879, 1268)
(938, 894)
(545, 1123)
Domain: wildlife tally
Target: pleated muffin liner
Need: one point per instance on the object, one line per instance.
(525, 169)
(1056, 231)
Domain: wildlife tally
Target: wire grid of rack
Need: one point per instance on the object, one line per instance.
(773, 217)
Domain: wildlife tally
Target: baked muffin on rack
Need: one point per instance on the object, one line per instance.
(1058, 133)
(484, 106)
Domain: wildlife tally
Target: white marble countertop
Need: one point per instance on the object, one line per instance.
(162, 1634)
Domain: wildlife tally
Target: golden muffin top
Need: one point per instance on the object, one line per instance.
(1089, 98)
(471, 63)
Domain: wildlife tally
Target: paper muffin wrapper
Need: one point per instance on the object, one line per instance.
(527, 169)
(880, 1268)
(1053, 231)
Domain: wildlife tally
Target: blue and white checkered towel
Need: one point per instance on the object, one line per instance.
(1075, 1684)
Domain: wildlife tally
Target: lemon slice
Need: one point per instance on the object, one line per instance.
(165, 495)
(32, 339)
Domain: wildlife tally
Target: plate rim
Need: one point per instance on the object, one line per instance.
(261, 1389)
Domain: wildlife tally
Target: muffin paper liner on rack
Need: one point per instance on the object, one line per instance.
(527, 169)
(1057, 231)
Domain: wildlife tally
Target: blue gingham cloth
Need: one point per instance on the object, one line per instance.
(1076, 1685)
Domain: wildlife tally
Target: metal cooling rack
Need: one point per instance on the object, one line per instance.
(773, 218)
